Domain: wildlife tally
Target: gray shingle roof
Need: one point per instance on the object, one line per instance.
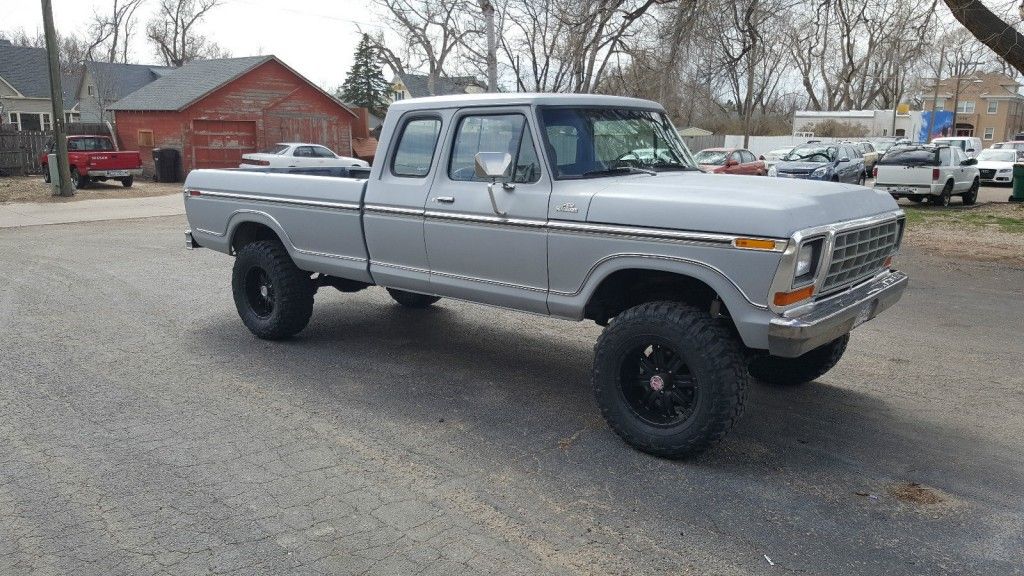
(116, 81)
(26, 70)
(417, 84)
(178, 88)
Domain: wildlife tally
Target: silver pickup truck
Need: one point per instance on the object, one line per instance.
(577, 207)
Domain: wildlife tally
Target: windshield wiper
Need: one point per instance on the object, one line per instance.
(673, 166)
(618, 170)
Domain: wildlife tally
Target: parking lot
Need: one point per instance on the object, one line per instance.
(145, 431)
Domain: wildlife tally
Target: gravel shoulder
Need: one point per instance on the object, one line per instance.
(990, 232)
(18, 189)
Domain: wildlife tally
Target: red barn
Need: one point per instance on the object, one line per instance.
(216, 110)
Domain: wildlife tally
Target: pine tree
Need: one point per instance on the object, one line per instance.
(365, 84)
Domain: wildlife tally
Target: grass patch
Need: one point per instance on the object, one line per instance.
(1003, 217)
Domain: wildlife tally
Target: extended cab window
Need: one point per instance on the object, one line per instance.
(416, 145)
(90, 145)
(495, 133)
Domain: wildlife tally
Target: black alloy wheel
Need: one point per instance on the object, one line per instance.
(657, 385)
(259, 292)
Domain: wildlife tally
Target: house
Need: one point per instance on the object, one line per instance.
(103, 83)
(989, 106)
(25, 89)
(216, 110)
(418, 85)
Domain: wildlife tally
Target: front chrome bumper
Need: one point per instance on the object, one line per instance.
(831, 318)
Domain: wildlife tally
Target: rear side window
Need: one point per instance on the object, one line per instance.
(945, 156)
(910, 157)
(416, 145)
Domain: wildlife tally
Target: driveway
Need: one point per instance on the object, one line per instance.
(145, 431)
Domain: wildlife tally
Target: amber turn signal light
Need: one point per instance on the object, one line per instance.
(754, 243)
(787, 298)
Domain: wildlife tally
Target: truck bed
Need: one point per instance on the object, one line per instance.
(319, 218)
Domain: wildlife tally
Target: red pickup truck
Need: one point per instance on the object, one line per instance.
(96, 159)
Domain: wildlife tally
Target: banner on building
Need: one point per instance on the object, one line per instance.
(943, 125)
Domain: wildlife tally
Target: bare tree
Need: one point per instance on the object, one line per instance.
(113, 30)
(433, 30)
(173, 32)
(992, 30)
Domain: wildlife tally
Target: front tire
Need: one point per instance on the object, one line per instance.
(970, 198)
(412, 299)
(273, 296)
(794, 371)
(669, 379)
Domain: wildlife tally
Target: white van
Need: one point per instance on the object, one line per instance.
(971, 145)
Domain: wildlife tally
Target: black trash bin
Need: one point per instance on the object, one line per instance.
(167, 165)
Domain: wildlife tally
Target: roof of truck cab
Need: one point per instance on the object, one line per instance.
(521, 99)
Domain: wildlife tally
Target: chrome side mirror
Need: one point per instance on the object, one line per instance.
(494, 165)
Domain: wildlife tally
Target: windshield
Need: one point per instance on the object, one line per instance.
(275, 149)
(812, 153)
(883, 146)
(1004, 155)
(777, 154)
(711, 157)
(592, 142)
(911, 156)
(90, 144)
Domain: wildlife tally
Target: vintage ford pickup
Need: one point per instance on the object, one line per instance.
(577, 207)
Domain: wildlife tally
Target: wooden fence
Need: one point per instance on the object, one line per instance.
(20, 150)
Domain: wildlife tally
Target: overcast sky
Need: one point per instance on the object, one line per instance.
(315, 37)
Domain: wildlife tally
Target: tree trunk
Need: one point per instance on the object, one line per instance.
(1002, 38)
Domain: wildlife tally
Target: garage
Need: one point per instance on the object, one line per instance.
(221, 143)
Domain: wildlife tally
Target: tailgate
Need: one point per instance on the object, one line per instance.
(114, 160)
(895, 175)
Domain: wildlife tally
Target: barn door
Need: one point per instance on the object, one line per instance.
(221, 143)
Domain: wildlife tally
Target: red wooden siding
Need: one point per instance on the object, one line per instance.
(268, 104)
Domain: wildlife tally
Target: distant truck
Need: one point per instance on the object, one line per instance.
(94, 158)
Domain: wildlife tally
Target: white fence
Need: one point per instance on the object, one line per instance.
(762, 144)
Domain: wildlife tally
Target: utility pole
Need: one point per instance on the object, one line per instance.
(492, 48)
(935, 98)
(57, 96)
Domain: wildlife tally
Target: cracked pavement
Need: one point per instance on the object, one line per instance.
(143, 430)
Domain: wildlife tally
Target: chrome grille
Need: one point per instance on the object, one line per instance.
(860, 254)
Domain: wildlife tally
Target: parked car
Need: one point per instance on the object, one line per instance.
(95, 158)
(729, 161)
(995, 165)
(520, 201)
(868, 153)
(1017, 145)
(298, 155)
(830, 162)
(925, 172)
(971, 145)
(772, 158)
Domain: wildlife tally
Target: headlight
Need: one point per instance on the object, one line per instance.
(773, 171)
(1004, 170)
(807, 261)
(819, 172)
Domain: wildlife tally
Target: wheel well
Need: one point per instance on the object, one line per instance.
(624, 289)
(249, 232)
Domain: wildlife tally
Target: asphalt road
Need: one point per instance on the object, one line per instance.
(143, 430)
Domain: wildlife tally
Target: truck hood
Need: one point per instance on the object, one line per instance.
(747, 205)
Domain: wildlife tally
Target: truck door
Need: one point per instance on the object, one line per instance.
(495, 253)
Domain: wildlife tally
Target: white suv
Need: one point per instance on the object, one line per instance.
(971, 145)
(922, 172)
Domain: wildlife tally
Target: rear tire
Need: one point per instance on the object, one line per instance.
(127, 181)
(794, 371)
(273, 296)
(412, 299)
(46, 174)
(971, 196)
(943, 198)
(78, 180)
(669, 379)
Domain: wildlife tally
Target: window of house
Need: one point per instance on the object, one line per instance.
(940, 103)
(145, 139)
(15, 119)
(494, 133)
(45, 121)
(71, 117)
(993, 106)
(90, 90)
(415, 151)
(989, 133)
(398, 96)
(30, 121)
(965, 107)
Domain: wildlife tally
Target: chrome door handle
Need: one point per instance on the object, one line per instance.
(445, 199)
